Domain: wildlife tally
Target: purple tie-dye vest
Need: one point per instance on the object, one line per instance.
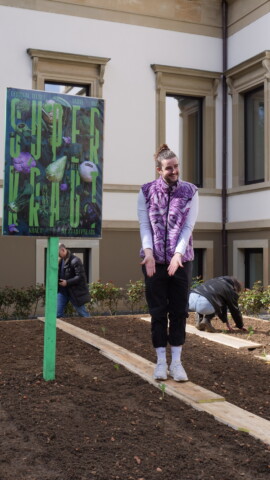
(168, 207)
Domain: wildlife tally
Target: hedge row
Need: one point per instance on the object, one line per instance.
(107, 298)
(21, 303)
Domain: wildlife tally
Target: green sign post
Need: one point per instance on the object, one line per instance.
(53, 180)
(49, 357)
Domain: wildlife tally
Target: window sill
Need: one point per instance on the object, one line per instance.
(254, 187)
(215, 192)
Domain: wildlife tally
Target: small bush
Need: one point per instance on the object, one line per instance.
(265, 298)
(23, 302)
(135, 294)
(106, 296)
(7, 298)
(70, 310)
(251, 301)
(20, 303)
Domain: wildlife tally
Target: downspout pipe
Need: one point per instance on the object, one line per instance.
(224, 136)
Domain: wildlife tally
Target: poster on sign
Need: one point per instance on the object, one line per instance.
(53, 164)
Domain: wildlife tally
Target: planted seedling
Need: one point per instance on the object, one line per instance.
(116, 366)
(264, 356)
(250, 331)
(103, 329)
(162, 387)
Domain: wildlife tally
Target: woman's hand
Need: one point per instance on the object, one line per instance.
(149, 262)
(175, 263)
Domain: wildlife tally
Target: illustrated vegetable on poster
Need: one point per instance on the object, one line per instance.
(52, 178)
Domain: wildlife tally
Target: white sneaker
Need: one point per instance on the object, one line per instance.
(178, 373)
(160, 372)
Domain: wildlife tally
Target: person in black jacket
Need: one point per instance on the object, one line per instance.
(72, 284)
(214, 298)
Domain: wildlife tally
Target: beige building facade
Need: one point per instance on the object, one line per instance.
(177, 71)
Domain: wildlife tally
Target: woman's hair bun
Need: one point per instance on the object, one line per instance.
(162, 148)
(163, 153)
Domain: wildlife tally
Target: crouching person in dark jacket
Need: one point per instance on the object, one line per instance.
(72, 284)
(214, 298)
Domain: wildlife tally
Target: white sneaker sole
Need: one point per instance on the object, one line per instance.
(163, 376)
(160, 378)
(183, 378)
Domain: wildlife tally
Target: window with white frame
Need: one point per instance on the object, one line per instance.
(251, 261)
(184, 129)
(254, 135)
(197, 268)
(68, 70)
(203, 265)
(253, 266)
(86, 249)
(67, 89)
(191, 130)
(248, 85)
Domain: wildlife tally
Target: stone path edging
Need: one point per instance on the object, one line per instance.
(188, 392)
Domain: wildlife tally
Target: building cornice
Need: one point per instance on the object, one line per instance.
(198, 18)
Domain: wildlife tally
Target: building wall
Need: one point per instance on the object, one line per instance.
(119, 257)
(248, 213)
(241, 48)
(18, 262)
(135, 35)
(129, 91)
(242, 13)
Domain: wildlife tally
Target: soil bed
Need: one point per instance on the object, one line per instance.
(98, 421)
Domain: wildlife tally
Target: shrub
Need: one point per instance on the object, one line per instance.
(38, 295)
(135, 294)
(251, 301)
(7, 298)
(265, 298)
(97, 292)
(20, 302)
(105, 295)
(70, 310)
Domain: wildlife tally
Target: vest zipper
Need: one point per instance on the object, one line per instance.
(166, 226)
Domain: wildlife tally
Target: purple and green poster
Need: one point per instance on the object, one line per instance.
(53, 164)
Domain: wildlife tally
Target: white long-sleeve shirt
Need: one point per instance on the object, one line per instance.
(145, 226)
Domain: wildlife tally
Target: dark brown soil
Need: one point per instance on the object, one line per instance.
(99, 422)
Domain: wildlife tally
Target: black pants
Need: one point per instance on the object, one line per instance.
(167, 299)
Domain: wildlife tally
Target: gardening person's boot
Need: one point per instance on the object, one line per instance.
(198, 321)
(206, 323)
